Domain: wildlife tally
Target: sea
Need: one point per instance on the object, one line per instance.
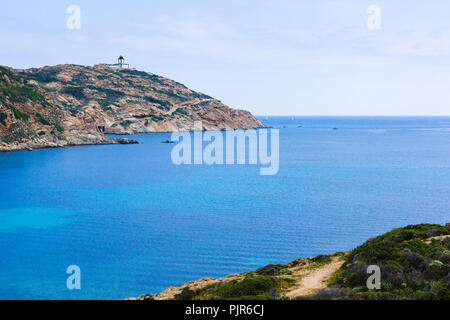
(135, 223)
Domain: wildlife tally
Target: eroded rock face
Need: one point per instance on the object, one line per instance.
(30, 120)
(127, 101)
(74, 105)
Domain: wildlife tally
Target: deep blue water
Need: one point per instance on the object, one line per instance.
(135, 223)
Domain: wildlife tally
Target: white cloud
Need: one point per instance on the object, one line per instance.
(195, 28)
(433, 43)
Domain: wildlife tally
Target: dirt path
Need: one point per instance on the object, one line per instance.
(439, 238)
(315, 280)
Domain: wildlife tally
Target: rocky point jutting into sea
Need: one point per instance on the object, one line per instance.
(66, 105)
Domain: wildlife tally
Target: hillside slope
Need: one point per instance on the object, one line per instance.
(29, 119)
(127, 101)
(414, 263)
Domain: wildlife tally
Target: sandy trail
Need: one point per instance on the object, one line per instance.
(439, 238)
(315, 280)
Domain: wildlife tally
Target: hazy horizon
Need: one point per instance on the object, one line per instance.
(285, 58)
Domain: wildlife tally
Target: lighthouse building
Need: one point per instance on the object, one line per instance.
(120, 64)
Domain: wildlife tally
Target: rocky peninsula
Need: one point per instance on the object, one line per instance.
(67, 105)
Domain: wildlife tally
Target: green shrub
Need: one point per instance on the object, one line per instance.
(76, 92)
(21, 94)
(19, 115)
(411, 268)
(273, 270)
(166, 104)
(3, 117)
(181, 111)
(186, 294)
(321, 259)
(152, 77)
(42, 120)
(44, 76)
(59, 128)
(248, 287)
(13, 89)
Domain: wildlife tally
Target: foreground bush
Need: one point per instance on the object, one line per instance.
(414, 263)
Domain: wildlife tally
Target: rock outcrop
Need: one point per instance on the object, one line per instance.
(127, 101)
(30, 120)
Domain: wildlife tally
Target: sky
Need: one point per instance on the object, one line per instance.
(284, 57)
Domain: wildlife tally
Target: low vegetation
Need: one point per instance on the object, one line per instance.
(414, 263)
(23, 100)
(250, 288)
(42, 120)
(3, 118)
(13, 90)
(44, 76)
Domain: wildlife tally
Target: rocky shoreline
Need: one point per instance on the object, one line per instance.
(50, 145)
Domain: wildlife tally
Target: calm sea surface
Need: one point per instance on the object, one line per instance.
(135, 223)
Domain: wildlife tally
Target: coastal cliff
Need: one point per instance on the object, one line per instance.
(29, 119)
(68, 105)
(414, 264)
(127, 101)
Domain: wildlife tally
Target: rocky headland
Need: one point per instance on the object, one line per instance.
(68, 105)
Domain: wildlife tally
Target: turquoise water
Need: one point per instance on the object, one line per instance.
(135, 223)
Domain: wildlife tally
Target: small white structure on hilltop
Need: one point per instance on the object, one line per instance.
(120, 64)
